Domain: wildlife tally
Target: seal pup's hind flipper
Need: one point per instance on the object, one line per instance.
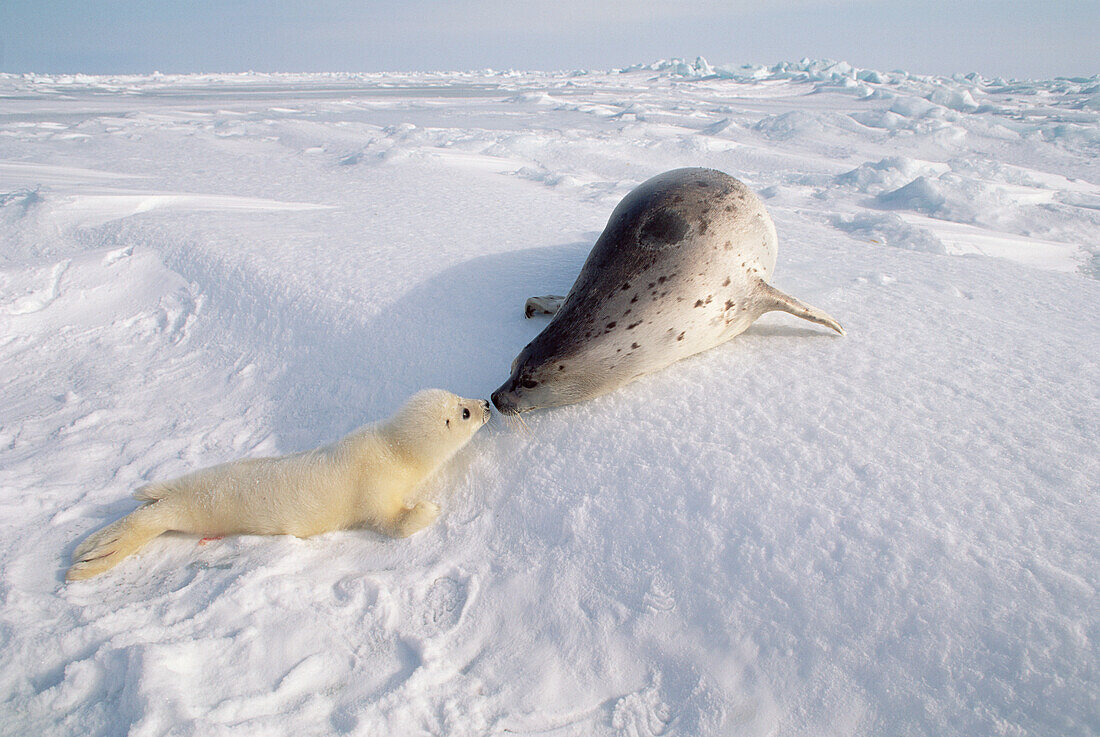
(770, 299)
(103, 550)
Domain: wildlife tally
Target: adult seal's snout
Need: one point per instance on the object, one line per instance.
(504, 401)
(681, 266)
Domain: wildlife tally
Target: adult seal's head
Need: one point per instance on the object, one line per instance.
(681, 267)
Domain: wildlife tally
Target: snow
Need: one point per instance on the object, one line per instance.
(894, 532)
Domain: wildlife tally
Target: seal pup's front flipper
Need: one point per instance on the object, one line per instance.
(770, 299)
(408, 520)
(546, 305)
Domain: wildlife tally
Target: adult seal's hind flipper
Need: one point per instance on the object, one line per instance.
(773, 300)
(681, 266)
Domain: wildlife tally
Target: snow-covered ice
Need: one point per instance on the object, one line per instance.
(895, 532)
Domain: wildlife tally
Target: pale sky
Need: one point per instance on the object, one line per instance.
(1010, 38)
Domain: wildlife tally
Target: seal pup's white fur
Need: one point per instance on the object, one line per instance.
(366, 479)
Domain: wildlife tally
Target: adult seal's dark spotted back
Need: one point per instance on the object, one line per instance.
(682, 266)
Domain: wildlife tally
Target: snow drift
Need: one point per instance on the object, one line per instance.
(891, 533)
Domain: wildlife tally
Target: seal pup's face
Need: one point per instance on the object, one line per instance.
(434, 424)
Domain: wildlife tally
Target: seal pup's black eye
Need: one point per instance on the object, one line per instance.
(465, 413)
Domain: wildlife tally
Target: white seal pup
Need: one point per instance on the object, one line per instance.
(681, 267)
(366, 479)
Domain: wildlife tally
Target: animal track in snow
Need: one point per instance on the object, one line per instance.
(660, 598)
(642, 712)
(444, 604)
